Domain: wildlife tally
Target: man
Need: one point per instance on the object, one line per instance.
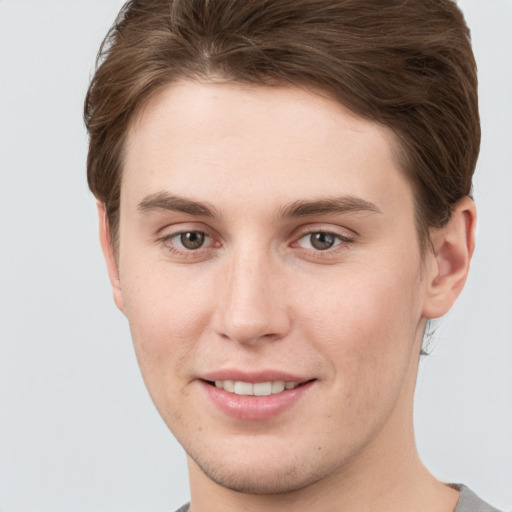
(283, 190)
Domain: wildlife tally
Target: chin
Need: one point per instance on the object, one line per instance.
(269, 470)
(255, 479)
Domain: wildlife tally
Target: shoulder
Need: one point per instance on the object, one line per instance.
(470, 502)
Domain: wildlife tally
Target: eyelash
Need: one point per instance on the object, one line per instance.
(167, 242)
(341, 243)
(341, 239)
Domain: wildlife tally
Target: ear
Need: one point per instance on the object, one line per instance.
(453, 247)
(109, 255)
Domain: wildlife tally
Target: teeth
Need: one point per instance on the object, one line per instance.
(258, 389)
(262, 388)
(243, 388)
(278, 386)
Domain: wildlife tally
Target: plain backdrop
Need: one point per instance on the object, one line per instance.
(78, 430)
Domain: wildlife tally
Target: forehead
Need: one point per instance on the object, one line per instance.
(277, 144)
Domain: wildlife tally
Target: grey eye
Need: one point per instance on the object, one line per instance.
(322, 241)
(192, 239)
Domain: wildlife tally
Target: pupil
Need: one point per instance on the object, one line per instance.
(322, 241)
(192, 239)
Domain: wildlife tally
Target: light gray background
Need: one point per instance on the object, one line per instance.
(78, 431)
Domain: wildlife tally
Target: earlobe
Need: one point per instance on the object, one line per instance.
(109, 255)
(453, 247)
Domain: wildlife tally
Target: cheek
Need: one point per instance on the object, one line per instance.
(167, 314)
(358, 306)
(367, 324)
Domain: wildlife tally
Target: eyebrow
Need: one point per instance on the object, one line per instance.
(168, 202)
(329, 205)
(302, 208)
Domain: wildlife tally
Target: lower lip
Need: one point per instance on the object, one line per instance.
(255, 407)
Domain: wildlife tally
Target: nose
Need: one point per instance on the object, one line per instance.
(252, 305)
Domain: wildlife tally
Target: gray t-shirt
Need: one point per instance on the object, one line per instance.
(468, 502)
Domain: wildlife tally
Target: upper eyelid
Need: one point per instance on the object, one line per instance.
(326, 232)
(185, 227)
(341, 231)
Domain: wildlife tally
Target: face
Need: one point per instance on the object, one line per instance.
(270, 271)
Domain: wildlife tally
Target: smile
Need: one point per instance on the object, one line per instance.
(244, 400)
(238, 387)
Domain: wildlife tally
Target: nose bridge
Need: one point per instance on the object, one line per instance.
(251, 305)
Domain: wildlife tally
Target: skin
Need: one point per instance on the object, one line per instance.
(258, 295)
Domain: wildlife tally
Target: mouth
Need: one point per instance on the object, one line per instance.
(260, 397)
(268, 388)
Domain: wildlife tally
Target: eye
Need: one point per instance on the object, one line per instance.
(192, 239)
(320, 240)
(188, 240)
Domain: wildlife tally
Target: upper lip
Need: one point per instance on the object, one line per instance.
(253, 376)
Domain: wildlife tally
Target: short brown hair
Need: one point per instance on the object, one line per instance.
(405, 63)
